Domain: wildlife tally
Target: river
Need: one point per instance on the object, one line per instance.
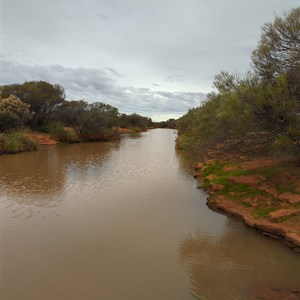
(125, 221)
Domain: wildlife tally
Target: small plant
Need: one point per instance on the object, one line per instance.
(263, 212)
(15, 142)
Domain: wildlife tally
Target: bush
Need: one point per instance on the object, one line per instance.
(14, 113)
(62, 134)
(44, 98)
(263, 116)
(15, 142)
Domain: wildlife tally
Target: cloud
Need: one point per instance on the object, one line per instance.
(171, 42)
(100, 85)
(113, 71)
(174, 78)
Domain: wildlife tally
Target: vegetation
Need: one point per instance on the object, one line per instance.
(258, 112)
(43, 98)
(15, 142)
(171, 123)
(43, 107)
(63, 134)
(279, 48)
(13, 113)
(135, 122)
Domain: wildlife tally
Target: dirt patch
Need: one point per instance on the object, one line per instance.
(252, 180)
(281, 213)
(290, 197)
(41, 138)
(258, 163)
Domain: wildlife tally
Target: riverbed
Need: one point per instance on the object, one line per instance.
(125, 221)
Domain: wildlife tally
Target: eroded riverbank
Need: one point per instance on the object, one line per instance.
(262, 192)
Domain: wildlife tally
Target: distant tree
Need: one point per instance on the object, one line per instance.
(278, 50)
(43, 97)
(171, 123)
(135, 120)
(14, 113)
(73, 113)
(110, 113)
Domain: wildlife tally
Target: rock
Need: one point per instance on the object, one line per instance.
(200, 184)
(275, 215)
(210, 177)
(199, 166)
(230, 168)
(269, 189)
(285, 231)
(258, 163)
(290, 197)
(252, 179)
(293, 238)
(216, 187)
(197, 174)
(210, 162)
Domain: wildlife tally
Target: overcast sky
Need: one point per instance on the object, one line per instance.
(157, 58)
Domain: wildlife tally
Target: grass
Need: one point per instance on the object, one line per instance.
(263, 212)
(240, 192)
(60, 134)
(246, 204)
(270, 172)
(16, 142)
(221, 177)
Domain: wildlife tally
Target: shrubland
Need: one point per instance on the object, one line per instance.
(42, 106)
(258, 113)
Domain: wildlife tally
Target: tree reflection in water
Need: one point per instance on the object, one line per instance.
(41, 179)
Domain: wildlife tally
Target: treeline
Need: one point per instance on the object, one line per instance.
(260, 111)
(43, 107)
(171, 124)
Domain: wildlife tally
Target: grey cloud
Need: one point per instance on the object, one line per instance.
(98, 85)
(113, 71)
(146, 40)
(174, 78)
(107, 47)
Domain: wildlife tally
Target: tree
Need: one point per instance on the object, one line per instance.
(278, 50)
(73, 113)
(135, 120)
(43, 97)
(226, 82)
(13, 113)
(107, 112)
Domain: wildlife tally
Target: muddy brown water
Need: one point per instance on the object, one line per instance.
(125, 221)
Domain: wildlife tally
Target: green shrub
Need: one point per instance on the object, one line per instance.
(15, 142)
(62, 134)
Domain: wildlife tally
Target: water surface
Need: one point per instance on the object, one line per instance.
(124, 221)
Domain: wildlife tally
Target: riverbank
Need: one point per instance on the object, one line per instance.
(43, 139)
(16, 142)
(263, 193)
(28, 140)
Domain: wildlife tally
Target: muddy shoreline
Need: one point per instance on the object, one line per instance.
(247, 191)
(264, 227)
